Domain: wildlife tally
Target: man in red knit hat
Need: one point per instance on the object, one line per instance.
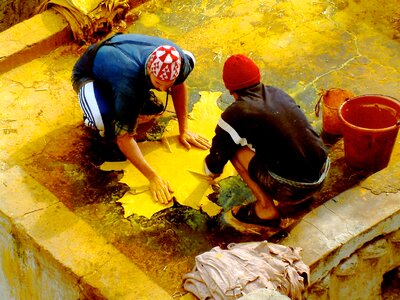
(269, 141)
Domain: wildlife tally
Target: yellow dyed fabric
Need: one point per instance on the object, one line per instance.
(174, 163)
(87, 17)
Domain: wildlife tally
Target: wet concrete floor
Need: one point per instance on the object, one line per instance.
(301, 47)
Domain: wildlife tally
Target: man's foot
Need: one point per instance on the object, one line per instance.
(292, 209)
(247, 214)
(112, 152)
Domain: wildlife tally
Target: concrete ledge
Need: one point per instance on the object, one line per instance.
(47, 252)
(32, 38)
(335, 230)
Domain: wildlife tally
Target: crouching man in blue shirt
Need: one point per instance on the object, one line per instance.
(113, 80)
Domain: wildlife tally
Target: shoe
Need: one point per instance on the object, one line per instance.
(247, 214)
(112, 152)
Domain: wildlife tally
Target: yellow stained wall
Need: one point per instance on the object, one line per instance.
(28, 272)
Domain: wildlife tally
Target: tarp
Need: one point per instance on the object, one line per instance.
(88, 19)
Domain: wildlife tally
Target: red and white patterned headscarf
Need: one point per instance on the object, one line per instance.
(165, 63)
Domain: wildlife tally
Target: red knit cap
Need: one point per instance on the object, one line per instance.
(165, 63)
(240, 72)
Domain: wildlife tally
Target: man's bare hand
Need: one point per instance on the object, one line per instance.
(189, 138)
(160, 190)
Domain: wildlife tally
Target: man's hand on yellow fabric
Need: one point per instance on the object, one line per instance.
(160, 190)
(189, 138)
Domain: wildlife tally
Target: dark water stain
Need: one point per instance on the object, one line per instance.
(68, 167)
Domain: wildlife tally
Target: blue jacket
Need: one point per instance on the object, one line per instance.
(119, 68)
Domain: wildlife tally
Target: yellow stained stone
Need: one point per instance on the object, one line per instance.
(149, 20)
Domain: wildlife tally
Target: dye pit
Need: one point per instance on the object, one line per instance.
(301, 47)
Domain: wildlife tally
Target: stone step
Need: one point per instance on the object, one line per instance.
(48, 251)
(32, 38)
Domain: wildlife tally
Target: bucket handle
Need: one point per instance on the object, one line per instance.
(317, 107)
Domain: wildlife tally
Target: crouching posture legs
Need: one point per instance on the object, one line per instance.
(263, 211)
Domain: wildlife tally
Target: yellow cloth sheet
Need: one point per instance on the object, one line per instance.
(174, 163)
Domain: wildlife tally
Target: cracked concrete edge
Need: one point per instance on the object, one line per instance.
(72, 245)
(32, 38)
(325, 265)
(335, 230)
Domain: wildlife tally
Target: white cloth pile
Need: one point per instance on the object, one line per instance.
(86, 17)
(246, 267)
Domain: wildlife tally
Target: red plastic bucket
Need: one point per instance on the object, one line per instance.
(370, 124)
